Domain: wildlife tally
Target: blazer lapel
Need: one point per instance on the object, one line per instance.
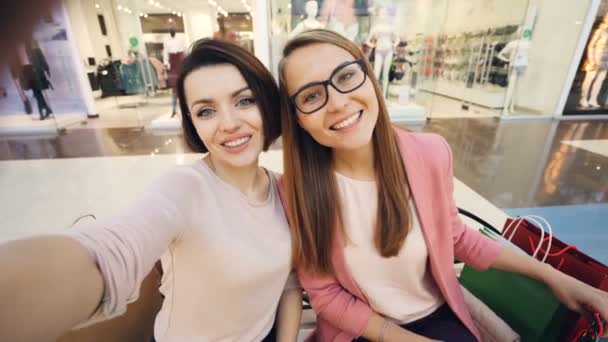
(414, 167)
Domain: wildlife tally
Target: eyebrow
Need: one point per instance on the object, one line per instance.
(233, 94)
(330, 76)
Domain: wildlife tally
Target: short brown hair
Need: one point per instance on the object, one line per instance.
(313, 201)
(207, 52)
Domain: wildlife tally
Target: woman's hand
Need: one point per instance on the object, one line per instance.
(578, 296)
(573, 293)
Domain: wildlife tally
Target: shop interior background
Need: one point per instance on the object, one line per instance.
(114, 62)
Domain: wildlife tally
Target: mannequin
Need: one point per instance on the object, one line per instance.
(340, 17)
(173, 54)
(310, 23)
(383, 33)
(516, 53)
(596, 66)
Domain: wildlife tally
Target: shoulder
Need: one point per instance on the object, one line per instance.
(422, 142)
(432, 148)
(280, 182)
(178, 181)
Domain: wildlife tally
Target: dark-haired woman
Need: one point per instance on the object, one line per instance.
(217, 226)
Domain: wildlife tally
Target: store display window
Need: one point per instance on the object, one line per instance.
(449, 58)
(589, 92)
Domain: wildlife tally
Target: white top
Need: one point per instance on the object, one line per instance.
(173, 45)
(226, 260)
(518, 52)
(400, 288)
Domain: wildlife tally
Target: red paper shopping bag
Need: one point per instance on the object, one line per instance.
(566, 258)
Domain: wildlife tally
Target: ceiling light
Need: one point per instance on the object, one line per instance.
(288, 5)
(119, 7)
(97, 6)
(179, 14)
(146, 15)
(151, 2)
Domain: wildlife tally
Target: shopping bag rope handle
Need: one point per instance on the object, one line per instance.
(596, 335)
(533, 220)
(558, 253)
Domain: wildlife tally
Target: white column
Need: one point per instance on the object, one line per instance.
(77, 60)
(261, 31)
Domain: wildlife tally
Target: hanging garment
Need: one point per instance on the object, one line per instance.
(132, 77)
(110, 80)
(161, 72)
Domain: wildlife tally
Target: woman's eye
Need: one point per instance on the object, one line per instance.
(205, 112)
(311, 97)
(246, 101)
(346, 77)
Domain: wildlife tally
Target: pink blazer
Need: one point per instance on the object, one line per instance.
(342, 309)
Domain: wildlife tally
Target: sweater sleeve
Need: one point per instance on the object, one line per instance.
(335, 304)
(470, 246)
(127, 245)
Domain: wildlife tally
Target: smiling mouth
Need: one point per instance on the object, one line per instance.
(237, 142)
(348, 122)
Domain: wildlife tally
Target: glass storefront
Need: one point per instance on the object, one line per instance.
(434, 58)
(446, 58)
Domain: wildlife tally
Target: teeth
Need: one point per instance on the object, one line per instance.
(237, 142)
(347, 122)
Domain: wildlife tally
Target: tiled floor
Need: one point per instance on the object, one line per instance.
(130, 111)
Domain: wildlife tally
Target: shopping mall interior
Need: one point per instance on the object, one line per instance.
(516, 87)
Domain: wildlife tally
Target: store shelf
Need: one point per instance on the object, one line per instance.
(491, 97)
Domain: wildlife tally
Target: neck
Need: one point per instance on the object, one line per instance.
(357, 164)
(250, 179)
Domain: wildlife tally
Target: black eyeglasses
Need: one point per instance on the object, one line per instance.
(345, 78)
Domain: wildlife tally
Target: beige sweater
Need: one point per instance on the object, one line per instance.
(226, 260)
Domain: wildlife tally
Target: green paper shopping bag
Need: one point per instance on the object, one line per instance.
(528, 306)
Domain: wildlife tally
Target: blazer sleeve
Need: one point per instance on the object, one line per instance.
(335, 304)
(470, 246)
